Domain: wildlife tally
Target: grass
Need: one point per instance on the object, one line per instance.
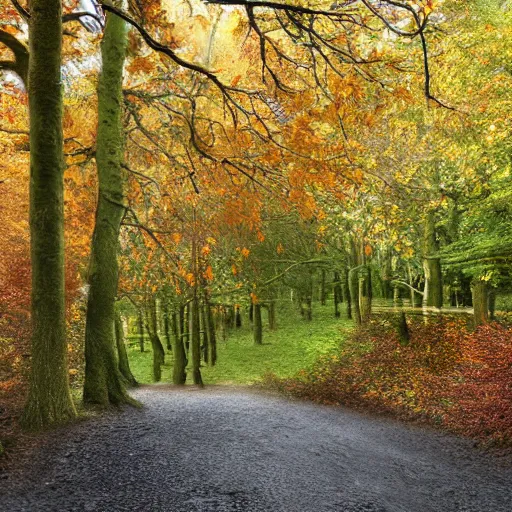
(295, 345)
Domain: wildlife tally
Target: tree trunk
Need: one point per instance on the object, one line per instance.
(49, 399)
(212, 337)
(140, 325)
(167, 328)
(353, 284)
(345, 289)
(480, 291)
(257, 324)
(179, 374)
(238, 317)
(205, 345)
(103, 383)
(156, 344)
(365, 293)
(337, 295)
(122, 355)
(272, 325)
(433, 292)
(195, 342)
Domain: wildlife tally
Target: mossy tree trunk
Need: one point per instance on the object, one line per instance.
(212, 336)
(205, 344)
(345, 289)
(272, 324)
(238, 317)
(195, 342)
(122, 355)
(167, 327)
(257, 325)
(337, 294)
(365, 293)
(480, 290)
(49, 399)
(353, 285)
(154, 338)
(140, 329)
(103, 383)
(433, 292)
(179, 374)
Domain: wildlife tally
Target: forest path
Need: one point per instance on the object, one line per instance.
(234, 449)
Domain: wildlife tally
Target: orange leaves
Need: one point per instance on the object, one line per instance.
(208, 273)
(254, 298)
(141, 65)
(245, 252)
(280, 248)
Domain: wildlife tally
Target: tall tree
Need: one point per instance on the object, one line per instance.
(49, 399)
(103, 382)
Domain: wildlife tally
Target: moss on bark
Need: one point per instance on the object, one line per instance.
(49, 399)
(103, 381)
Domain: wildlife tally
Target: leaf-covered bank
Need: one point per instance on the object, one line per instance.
(445, 376)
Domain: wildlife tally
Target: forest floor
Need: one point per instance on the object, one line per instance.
(238, 449)
(293, 346)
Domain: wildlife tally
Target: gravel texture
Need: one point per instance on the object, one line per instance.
(234, 449)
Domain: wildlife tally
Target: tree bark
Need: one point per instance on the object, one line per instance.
(205, 345)
(103, 383)
(179, 374)
(346, 294)
(257, 325)
(212, 337)
(238, 317)
(140, 328)
(433, 292)
(195, 342)
(167, 328)
(272, 324)
(49, 400)
(122, 355)
(353, 284)
(156, 344)
(337, 295)
(480, 291)
(365, 293)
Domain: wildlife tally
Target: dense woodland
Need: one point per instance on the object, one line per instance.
(174, 173)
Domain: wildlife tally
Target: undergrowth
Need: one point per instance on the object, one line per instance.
(446, 376)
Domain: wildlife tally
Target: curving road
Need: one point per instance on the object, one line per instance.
(232, 449)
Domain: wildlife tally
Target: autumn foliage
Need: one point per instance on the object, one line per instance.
(446, 376)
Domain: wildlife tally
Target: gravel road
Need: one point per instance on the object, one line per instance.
(234, 449)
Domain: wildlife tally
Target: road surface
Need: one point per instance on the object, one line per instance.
(234, 449)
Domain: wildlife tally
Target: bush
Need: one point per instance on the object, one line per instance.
(445, 376)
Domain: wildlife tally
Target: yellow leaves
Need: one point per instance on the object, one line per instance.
(72, 371)
(280, 248)
(205, 251)
(190, 278)
(176, 238)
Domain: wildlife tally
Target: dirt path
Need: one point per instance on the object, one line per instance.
(225, 449)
